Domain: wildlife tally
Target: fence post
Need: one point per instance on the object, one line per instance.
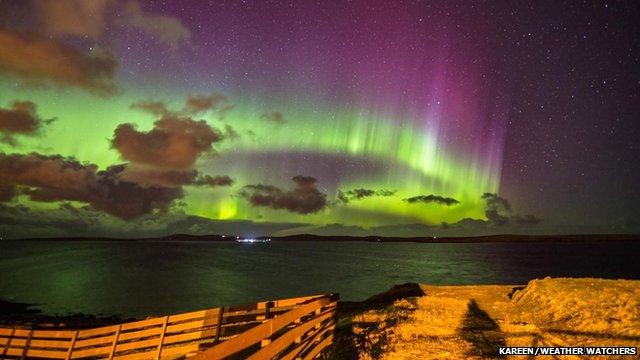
(73, 343)
(164, 330)
(267, 315)
(219, 324)
(115, 342)
(26, 345)
(9, 341)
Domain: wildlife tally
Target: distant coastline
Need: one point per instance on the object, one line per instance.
(504, 238)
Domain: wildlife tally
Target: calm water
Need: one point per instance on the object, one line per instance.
(144, 278)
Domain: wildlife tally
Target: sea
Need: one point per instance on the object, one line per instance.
(147, 278)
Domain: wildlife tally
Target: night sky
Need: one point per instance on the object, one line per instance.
(398, 118)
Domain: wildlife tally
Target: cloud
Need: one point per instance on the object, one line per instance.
(304, 198)
(38, 60)
(72, 17)
(174, 142)
(361, 193)
(275, 117)
(494, 217)
(69, 219)
(20, 119)
(466, 223)
(156, 108)
(498, 213)
(166, 155)
(161, 162)
(194, 105)
(200, 104)
(230, 133)
(429, 199)
(168, 30)
(497, 202)
(149, 176)
(526, 219)
(497, 209)
(55, 178)
(213, 181)
(91, 19)
(128, 200)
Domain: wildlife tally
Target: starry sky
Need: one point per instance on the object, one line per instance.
(407, 118)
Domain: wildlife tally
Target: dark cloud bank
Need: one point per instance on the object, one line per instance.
(20, 119)
(54, 178)
(158, 163)
(428, 199)
(304, 198)
(361, 193)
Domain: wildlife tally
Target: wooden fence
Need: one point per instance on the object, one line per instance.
(297, 328)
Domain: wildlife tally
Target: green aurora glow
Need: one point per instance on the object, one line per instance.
(423, 165)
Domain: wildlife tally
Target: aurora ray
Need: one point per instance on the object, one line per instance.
(389, 101)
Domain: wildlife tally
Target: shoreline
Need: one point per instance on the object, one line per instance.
(30, 313)
(502, 238)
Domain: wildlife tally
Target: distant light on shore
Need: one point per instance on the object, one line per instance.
(252, 240)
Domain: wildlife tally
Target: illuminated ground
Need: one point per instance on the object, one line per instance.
(454, 322)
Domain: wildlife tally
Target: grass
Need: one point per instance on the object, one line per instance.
(471, 322)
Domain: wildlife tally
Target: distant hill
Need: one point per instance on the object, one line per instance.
(427, 239)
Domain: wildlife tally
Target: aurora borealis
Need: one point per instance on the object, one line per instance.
(126, 118)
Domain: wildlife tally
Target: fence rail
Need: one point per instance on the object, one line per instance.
(288, 328)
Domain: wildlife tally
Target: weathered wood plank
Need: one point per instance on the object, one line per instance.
(319, 347)
(144, 355)
(47, 354)
(54, 334)
(192, 315)
(47, 334)
(294, 301)
(179, 350)
(102, 340)
(261, 331)
(20, 342)
(136, 345)
(102, 351)
(288, 338)
(156, 321)
(8, 340)
(126, 336)
(308, 342)
(22, 333)
(101, 331)
(193, 325)
(190, 336)
(7, 332)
